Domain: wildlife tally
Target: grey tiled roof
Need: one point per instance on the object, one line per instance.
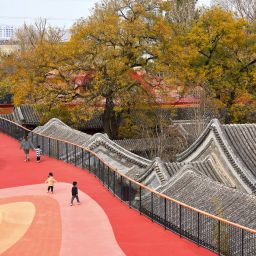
(59, 130)
(164, 171)
(242, 139)
(95, 123)
(205, 167)
(24, 115)
(236, 143)
(210, 196)
(155, 173)
(112, 153)
(137, 145)
(8, 116)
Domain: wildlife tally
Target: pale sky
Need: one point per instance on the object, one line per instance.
(58, 12)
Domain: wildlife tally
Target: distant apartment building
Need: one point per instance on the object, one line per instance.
(6, 32)
(7, 45)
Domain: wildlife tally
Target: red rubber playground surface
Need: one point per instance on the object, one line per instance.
(36, 223)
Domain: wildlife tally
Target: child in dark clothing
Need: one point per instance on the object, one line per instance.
(74, 192)
(38, 153)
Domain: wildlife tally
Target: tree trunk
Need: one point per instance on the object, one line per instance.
(228, 117)
(110, 119)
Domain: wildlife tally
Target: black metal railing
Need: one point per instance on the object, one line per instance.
(214, 233)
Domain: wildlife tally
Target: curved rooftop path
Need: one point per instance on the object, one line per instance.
(129, 232)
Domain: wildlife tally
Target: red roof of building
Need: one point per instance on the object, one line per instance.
(164, 94)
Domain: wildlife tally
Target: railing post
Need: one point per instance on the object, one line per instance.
(66, 145)
(10, 131)
(42, 143)
(165, 213)
(180, 210)
(49, 146)
(108, 177)
(152, 206)
(140, 201)
(114, 188)
(103, 173)
(82, 158)
(89, 162)
(75, 155)
(36, 140)
(121, 189)
(97, 173)
(198, 228)
(130, 193)
(219, 245)
(94, 165)
(58, 149)
(242, 242)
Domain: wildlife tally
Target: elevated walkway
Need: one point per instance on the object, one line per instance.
(116, 230)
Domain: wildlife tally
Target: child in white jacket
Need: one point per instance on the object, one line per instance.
(50, 181)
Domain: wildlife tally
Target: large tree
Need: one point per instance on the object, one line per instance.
(25, 70)
(119, 37)
(29, 71)
(215, 52)
(225, 60)
(218, 55)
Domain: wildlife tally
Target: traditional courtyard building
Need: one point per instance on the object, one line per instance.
(112, 153)
(224, 153)
(231, 149)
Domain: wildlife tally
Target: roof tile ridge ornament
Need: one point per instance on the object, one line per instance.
(19, 112)
(213, 123)
(99, 138)
(158, 166)
(160, 169)
(191, 166)
(52, 121)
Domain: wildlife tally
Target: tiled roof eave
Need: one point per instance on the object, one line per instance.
(244, 174)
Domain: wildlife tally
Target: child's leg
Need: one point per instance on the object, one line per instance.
(72, 199)
(77, 199)
(49, 188)
(52, 189)
(26, 155)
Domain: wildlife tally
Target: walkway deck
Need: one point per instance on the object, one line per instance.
(101, 225)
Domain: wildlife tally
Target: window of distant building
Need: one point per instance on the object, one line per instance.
(6, 32)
